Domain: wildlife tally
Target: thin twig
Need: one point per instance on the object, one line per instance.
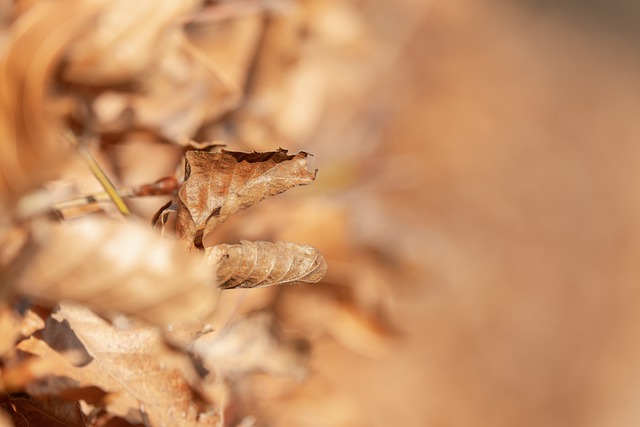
(97, 171)
(166, 186)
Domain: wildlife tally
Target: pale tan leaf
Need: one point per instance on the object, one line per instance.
(29, 141)
(183, 77)
(14, 243)
(144, 45)
(9, 327)
(5, 421)
(277, 403)
(218, 185)
(126, 39)
(257, 264)
(14, 325)
(325, 313)
(229, 45)
(120, 267)
(145, 381)
(249, 344)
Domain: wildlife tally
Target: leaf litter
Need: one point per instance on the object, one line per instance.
(104, 320)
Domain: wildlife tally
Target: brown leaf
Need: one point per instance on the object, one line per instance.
(218, 185)
(258, 264)
(249, 344)
(145, 381)
(120, 267)
(48, 412)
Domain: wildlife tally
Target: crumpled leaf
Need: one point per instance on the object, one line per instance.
(220, 184)
(250, 344)
(259, 264)
(145, 381)
(120, 267)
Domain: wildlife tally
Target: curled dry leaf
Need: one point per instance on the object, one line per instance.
(218, 185)
(145, 381)
(120, 267)
(250, 344)
(258, 264)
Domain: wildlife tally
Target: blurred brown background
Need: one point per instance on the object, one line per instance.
(507, 169)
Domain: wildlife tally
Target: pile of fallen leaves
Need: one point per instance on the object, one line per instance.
(109, 314)
(120, 311)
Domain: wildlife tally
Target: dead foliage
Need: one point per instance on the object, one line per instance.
(217, 185)
(106, 321)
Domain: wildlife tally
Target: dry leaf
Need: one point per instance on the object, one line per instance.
(258, 264)
(29, 141)
(143, 50)
(316, 402)
(145, 381)
(143, 70)
(14, 325)
(279, 51)
(228, 45)
(5, 420)
(326, 313)
(218, 185)
(252, 344)
(51, 412)
(9, 327)
(126, 39)
(182, 76)
(31, 322)
(120, 267)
